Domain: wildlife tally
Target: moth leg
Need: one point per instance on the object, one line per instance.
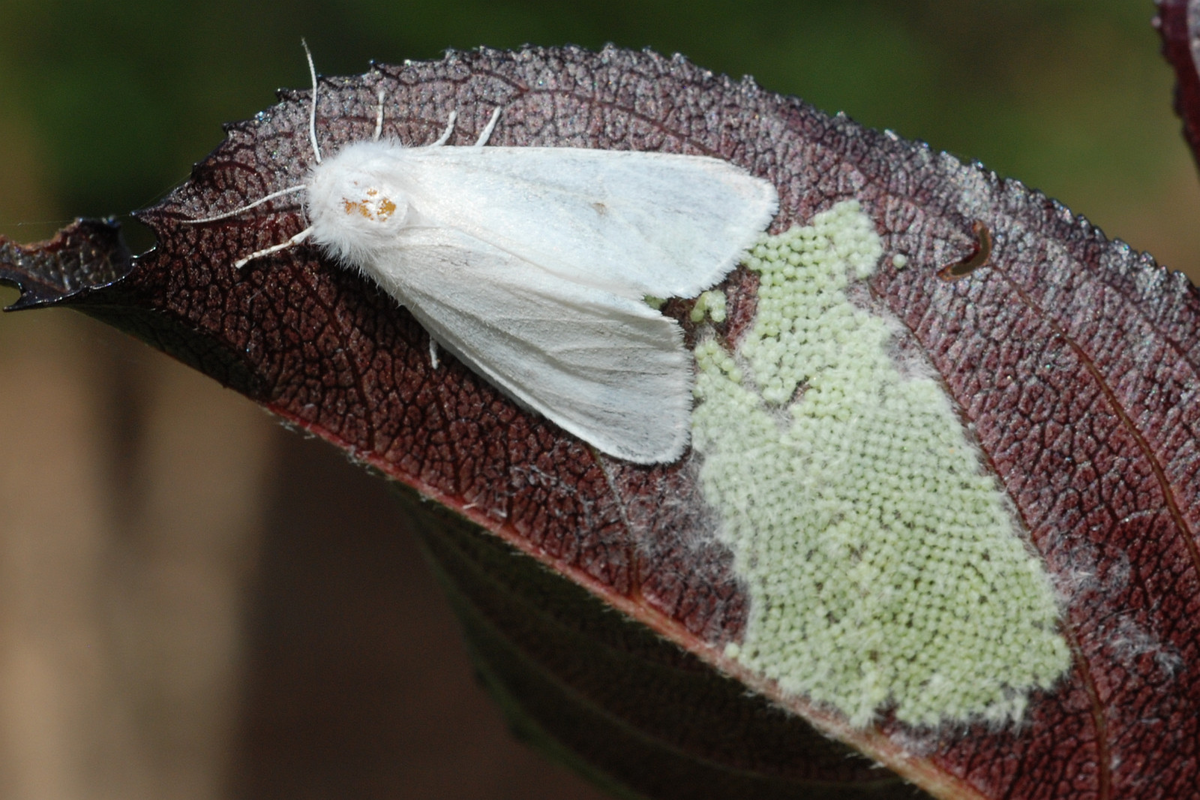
(445, 137)
(433, 357)
(292, 242)
(378, 118)
(491, 126)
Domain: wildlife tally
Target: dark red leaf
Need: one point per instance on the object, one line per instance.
(85, 255)
(1072, 359)
(1178, 22)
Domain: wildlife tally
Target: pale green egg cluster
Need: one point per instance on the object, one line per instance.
(711, 303)
(882, 564)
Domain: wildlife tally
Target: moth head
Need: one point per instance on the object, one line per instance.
(355, 204)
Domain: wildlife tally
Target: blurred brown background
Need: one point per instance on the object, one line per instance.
(195, 603)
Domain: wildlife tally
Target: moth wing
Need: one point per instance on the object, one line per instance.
(606, 368)
(633, 223)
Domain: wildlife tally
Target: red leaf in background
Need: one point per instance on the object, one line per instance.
(1072, 359)
(1178, 22)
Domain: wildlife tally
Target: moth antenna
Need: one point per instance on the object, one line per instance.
(491, 126)
(275, 248)
(312, 114)
(445, 137)
(379, 118)
(297, 188)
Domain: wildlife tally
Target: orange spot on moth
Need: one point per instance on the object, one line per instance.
(370, 206)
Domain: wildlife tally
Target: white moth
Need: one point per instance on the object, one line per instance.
(531, 265)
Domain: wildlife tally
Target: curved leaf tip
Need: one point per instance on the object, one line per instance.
(85, 255)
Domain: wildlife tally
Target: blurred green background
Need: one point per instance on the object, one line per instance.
(106, 105)
(195, 604)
